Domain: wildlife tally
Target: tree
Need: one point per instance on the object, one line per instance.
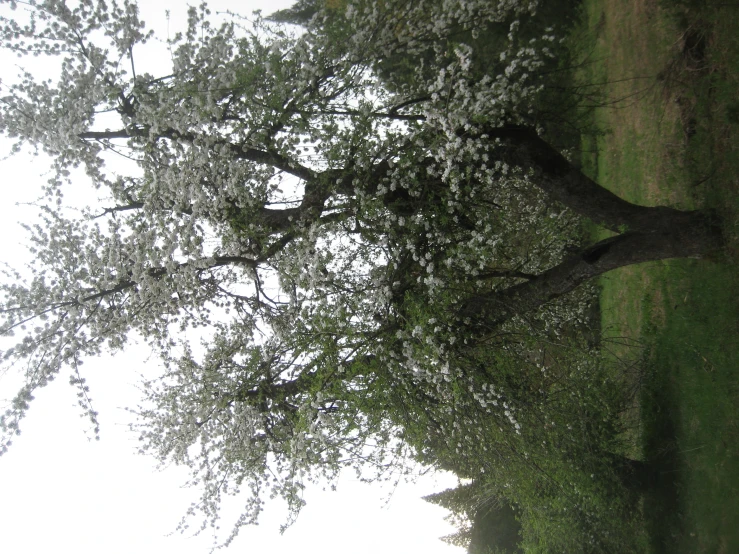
(485, 523)
(342, 244)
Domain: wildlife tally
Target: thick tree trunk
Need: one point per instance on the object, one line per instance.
(565, 183)
(686, 234)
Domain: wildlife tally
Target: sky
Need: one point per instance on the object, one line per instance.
(62, 491)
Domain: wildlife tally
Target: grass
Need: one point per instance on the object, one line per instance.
(668, 122)
(690, 412)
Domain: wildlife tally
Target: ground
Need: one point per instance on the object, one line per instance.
(665, 132)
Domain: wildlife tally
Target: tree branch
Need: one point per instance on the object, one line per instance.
(127, 207)
(240, 151)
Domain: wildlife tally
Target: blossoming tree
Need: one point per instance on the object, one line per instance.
(339, 241)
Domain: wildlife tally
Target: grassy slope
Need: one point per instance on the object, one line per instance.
(668, 127)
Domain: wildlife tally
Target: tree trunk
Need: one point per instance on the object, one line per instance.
(684, 234)
(565, 183)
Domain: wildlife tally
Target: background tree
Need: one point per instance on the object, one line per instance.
(486, 524)
(351, 249)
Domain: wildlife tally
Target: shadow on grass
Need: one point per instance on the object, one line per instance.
(690, 419)
(662, 502)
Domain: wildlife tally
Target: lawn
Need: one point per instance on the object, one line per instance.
(668, 123)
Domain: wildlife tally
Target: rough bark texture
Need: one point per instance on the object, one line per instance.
(683, 234)
(565, 183)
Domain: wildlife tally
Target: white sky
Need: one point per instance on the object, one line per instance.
(61, 492)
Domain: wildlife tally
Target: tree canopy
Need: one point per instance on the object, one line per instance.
(343, 244)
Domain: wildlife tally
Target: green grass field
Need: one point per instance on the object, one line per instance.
(668, 123)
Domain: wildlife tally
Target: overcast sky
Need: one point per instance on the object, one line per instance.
(60, 491)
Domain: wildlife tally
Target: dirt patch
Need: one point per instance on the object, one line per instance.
(646, 7)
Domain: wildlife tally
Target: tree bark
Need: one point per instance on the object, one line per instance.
(685, 234)
(565, 183)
